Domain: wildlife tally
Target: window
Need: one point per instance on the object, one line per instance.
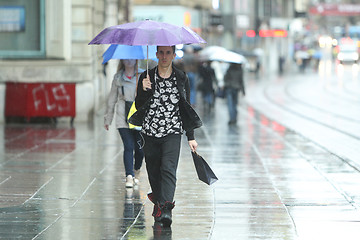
(22, 29)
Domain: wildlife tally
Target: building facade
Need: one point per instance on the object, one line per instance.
(44, 52)
(46, 62)
(50, 49)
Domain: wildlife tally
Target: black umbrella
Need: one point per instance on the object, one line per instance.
(203, 169)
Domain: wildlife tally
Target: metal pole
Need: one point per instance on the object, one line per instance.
(127, 14)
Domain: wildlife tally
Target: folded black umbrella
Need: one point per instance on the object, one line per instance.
(203, 169)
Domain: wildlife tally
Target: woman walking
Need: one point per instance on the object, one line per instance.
(122, 94)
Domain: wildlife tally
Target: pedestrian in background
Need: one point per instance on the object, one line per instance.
(207, 79)
(233, 83)
(164, 111)
(122, 93)
(190, 67)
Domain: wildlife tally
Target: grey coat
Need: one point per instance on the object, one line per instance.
(116, 99)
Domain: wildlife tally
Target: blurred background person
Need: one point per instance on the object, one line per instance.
(190, 66)
(206, 84)
(121, 96)
(302, 58)
(233, 83)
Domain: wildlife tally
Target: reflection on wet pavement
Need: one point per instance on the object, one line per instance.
(274, 183)
(278, 184)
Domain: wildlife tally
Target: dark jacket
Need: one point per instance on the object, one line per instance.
(208, 78)
(234, 78)
(189, 117)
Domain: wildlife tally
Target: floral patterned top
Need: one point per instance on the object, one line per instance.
(163, 117)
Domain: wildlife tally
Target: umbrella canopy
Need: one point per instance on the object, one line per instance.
(221, 54)
(258, 52)
(208, 51)
(228, 56)
(302, 54)
(116, 51)
(147, 32)
(317, 55)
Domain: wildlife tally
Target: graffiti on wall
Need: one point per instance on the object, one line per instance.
(40, 99)
(52, 97)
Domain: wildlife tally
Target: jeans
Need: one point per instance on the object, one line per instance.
(232, 102)
(192, 82)
(132, 143)
(162, 157)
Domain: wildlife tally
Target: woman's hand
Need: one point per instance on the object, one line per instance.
(193, 145)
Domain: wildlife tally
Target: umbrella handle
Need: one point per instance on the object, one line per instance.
(147, 63)
(147, 58)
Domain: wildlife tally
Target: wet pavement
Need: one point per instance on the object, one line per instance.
(288, 170)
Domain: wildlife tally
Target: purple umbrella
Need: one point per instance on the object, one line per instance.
(147, 33)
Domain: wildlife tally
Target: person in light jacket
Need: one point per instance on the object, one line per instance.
(164, 111)
(122, 94)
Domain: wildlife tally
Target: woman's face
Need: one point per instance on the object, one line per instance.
(129, 62)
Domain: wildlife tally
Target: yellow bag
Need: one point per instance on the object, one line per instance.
(131, 112)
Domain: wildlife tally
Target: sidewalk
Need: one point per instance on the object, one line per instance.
(68, 183)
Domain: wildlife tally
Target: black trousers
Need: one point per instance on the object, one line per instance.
(162, 158)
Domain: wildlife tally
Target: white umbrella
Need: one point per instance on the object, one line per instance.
(208, 51)
(302, 55)
(258, 52)
(228, 56)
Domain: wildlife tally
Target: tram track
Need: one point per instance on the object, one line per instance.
(320, 169)
(328, 98)
(327, 126)
(327, 117)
